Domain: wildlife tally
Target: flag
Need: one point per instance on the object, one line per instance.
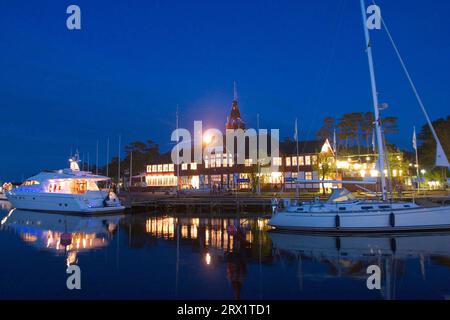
(295, 131)
(414, 141)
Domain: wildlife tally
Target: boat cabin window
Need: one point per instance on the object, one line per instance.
(367, 208)
(30, 183)
(384, 207)
(342, 208)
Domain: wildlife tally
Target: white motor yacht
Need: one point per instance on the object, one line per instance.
(66, 190)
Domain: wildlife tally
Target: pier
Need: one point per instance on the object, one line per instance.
(242, 202)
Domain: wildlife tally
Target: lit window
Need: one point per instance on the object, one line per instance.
(206, 163)
(149, 168)
(160, 168)
(171, 167)
(184, 166)
(194, 166)
(165, 167)
(277, 161)
(218, 162)
(314, 160)
(301, 161)
(294, 161)
(248, 162)
(154, 168)
(308, 175)
(288, 161)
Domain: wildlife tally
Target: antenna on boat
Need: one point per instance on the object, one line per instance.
(74, 166)
(375, 102)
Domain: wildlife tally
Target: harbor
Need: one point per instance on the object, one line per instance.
(224, 156)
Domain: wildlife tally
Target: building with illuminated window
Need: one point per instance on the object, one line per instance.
(220, 171)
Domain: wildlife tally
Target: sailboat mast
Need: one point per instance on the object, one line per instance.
(375, 103)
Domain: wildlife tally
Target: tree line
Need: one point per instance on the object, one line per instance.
(354, 131)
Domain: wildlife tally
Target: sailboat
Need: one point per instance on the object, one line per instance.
(342, 212)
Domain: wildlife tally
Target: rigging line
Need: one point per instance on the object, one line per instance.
(411, 82)
(327, 66)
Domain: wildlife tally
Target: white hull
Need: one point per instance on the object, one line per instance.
(414, 219)
(90, 202)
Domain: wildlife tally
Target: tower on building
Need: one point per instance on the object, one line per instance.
(234, 121)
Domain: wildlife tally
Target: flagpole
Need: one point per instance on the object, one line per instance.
(257, 155)
(417, 160)
(298, 165)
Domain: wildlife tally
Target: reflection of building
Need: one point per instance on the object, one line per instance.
(233, 242)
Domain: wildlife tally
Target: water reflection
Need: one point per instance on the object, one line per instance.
(349, 256)
(62, 234)
(159, 256)
(232, 241)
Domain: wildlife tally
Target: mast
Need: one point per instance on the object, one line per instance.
(298, 164)
(257, 154)
(375, 102)
(178, 153)
(118, 166)
(107, 157)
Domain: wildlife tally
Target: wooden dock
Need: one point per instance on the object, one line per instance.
(236, 203)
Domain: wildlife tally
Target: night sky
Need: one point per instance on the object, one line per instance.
(134, 61)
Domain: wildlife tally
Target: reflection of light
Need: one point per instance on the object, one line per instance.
(423, 171)
(71, 258)
(6, 218)
(374, 173)
(208, 259)
(363, 173)
(28, 237)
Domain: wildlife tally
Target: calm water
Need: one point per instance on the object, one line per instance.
(158, 256)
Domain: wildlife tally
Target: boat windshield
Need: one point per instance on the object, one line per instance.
(340, 195)
(104, 184)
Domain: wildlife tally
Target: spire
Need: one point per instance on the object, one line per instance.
(234, 121)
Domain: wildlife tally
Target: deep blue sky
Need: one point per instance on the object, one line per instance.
(134, 61)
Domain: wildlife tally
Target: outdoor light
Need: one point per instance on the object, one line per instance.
(423, 171)
(207, 139)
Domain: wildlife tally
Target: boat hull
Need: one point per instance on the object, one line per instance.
(48, 202)
(416, 219)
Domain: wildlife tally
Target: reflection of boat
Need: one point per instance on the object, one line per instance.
(349, 256)
(364, 245)
(62, 232)
(67, 190)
